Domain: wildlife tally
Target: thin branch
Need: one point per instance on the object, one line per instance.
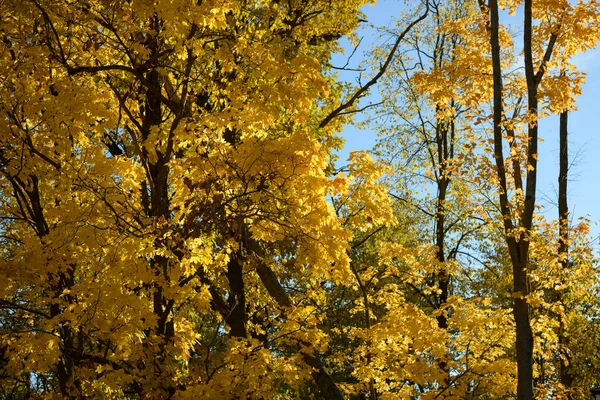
(363, 89)
(6, 304)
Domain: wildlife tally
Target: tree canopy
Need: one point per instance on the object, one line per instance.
(173, 223)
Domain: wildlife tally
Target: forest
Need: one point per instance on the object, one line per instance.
(175, 222)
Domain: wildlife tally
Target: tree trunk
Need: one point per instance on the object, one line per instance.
(566, 377)
(518, 246)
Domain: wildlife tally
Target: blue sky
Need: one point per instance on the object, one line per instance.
(584, 126)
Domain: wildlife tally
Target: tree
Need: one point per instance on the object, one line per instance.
(165, 225)
(555, 22)
(171, 226)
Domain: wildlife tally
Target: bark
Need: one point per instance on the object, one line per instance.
(566, 375)
(563, 208)
(521, 310)
(158, 203)
(518, 246)
(237, 299)
(445, 152)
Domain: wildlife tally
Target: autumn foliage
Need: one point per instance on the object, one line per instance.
(173, 225)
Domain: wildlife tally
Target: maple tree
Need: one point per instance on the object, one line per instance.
(172, 225)
(163, 179)
(551, 34)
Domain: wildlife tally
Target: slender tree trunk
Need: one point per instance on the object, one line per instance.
(522, 318)
(566, 376)
(443, 277)
(518, 246)
(158, 203)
